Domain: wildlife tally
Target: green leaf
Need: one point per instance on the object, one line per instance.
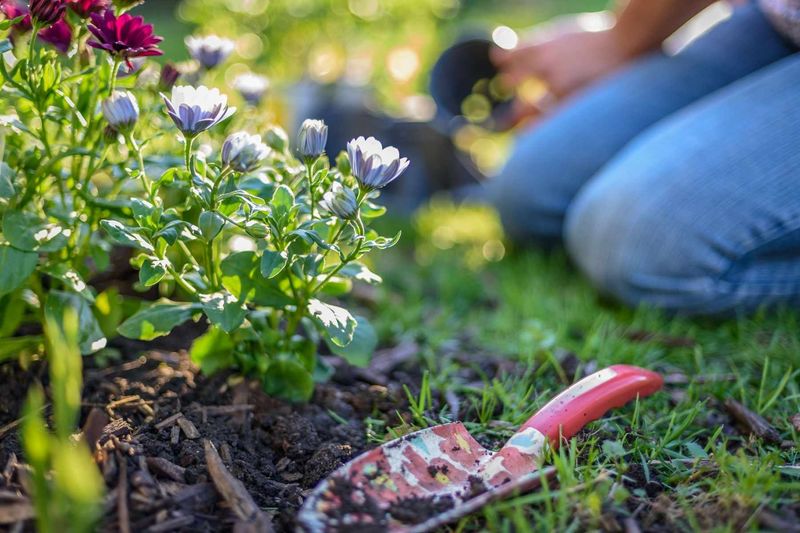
(282, 198)
(360, 272)
(28, 232)
(288, 379)
(210, 223)
(125, 236)
(6, 181)
(157, 320)
(6, 24)
(15, 267)
(337, 322)
(360, 350)
(153, 271)
(213, 351)
(90, 336)
(224, 310)
(273, 263)
(312, 237)
(241, 276)
(70, 278)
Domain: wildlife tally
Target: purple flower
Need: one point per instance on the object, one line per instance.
(59, 35)
(252, 87)
(210, 50)
(84, 8)
(123, 37)
(47, 12)
(373, 165)
(194, 110)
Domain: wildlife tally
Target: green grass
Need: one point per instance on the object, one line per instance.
(533, 309)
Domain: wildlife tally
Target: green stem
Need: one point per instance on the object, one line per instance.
(187, 152)
(148, 185)
(112, 81)
(310, 177)
(180, 281)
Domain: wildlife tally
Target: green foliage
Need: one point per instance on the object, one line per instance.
(67, 485)
(238, 235)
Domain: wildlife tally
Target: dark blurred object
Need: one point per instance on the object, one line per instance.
(454, 78)
(436, 164)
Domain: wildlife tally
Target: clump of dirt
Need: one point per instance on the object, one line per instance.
(418, 509)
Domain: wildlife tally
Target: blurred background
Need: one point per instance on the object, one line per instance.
(364, 67)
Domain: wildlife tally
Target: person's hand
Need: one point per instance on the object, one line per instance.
(564, 57)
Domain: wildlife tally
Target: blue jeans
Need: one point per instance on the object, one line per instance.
(676, 182)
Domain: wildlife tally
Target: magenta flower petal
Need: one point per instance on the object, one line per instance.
(123, 37)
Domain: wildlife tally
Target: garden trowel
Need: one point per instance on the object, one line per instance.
(437, 475)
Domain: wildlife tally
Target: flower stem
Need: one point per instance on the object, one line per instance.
(112, 81)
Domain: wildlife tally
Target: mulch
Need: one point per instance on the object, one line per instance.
(180, 451)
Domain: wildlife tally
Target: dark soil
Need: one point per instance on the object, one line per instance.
(156, 411)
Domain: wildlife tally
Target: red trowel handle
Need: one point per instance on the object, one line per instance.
(591, 398)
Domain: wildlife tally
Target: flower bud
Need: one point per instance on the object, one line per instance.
(243, 152)
(340, 201)
(277, 139)
(312, 138)
(121, 110)
(47, 12)
(168, 77)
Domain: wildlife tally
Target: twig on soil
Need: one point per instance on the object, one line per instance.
(752, 422)
(123, 516)
(169, 420)
(167, 469)
(189, 429)
(251, 518)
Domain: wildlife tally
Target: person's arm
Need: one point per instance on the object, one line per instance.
(567, 57)
(642, 25)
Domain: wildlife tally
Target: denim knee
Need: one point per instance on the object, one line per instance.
(629, 249)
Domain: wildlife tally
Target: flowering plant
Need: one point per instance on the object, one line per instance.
(99, 150)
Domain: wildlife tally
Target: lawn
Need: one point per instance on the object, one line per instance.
(530, 324)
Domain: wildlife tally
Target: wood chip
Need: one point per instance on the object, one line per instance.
(251, 518)
(175, 435)
(169, 420)
(167, 469)
(752, 422)
(93, 428)
(11, 513)
(189, 429)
